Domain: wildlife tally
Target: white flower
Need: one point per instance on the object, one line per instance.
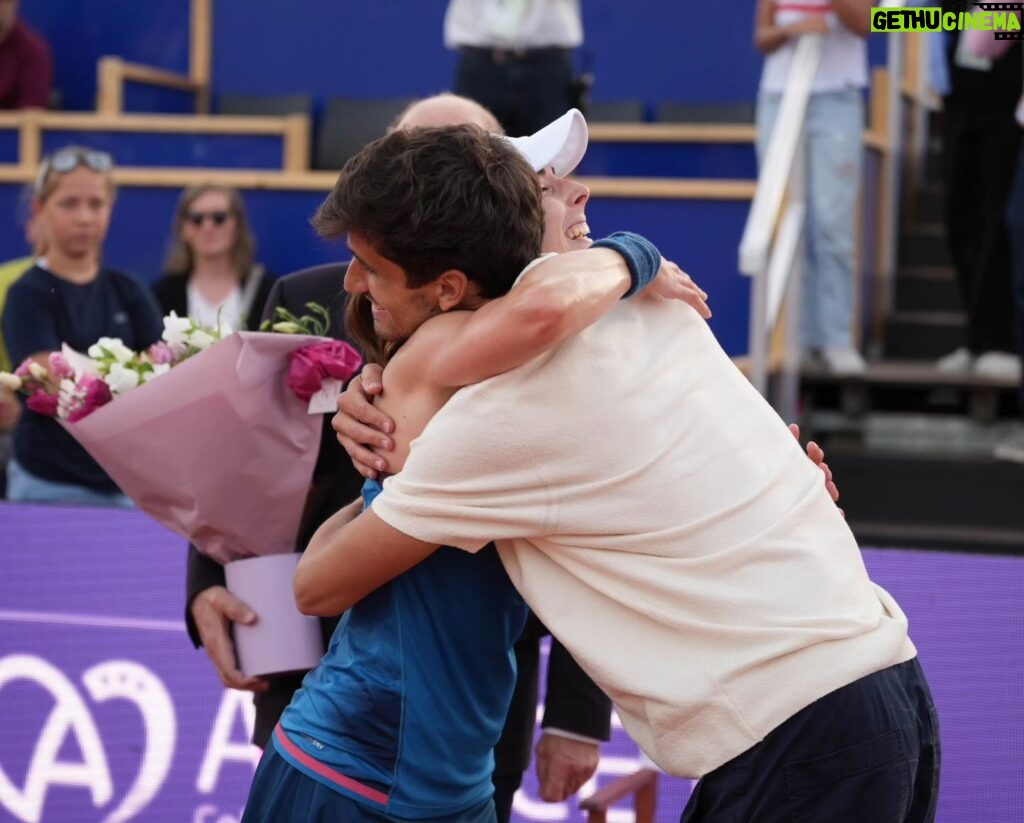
(37, 371)
(176, 329)
(10, 381)
(121, 380)
(224, 330)
(107, 348)
(201, 339)
(158, 369)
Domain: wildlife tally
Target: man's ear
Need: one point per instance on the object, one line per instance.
(451, 288)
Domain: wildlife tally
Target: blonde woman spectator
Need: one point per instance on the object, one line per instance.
(210, 271)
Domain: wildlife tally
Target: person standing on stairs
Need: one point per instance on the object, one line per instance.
(981, 140)
(833, 126)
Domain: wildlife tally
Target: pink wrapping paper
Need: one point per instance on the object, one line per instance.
(217, 449)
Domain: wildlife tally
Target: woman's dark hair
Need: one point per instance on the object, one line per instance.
(435, 199)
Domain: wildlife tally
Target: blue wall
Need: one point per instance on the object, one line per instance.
(139, 229)
(154, 32)
(649, 49)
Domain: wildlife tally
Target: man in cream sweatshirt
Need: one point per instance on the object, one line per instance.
(660, 519)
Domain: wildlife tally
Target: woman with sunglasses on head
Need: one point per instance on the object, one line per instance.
(210, 271)
(70, 296)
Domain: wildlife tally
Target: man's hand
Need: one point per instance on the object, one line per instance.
(360, 426)
(564, 765)
(213, 610)
(817, 456)
(674, 283)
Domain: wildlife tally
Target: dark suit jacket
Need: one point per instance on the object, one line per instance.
(572, 701)
(171, 292)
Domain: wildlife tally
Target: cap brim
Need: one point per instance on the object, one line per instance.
(559, 146)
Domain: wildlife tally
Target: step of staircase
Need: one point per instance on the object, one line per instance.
(924, 244)
(930, 203)
(926, 288)
(900, 498)
(909, 387)
(923, 335)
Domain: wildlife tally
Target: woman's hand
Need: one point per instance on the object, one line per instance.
(675, 284)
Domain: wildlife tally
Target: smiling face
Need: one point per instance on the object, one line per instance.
(209, 227)
(565, 220)
(397, 309)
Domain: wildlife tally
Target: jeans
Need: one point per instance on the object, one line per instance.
(833, 128)
(25, 487)
(868, 752)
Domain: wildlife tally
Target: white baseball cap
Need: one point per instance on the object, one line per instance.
(560, 145)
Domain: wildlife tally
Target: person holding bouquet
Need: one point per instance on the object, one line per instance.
(70, 297)
(211, 273)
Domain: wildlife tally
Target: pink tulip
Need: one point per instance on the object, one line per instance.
(160, 353)
(43, 403)
(97, 393)
(59, 366)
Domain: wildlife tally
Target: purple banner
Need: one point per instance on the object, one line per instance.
(107, 713)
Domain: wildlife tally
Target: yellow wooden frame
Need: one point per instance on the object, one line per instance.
(112, 72)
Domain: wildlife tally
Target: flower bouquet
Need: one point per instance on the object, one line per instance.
(213, 434)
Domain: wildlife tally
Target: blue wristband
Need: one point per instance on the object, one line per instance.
(641, 256)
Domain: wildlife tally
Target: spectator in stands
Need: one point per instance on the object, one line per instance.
(515, 57)
(210, 272)
(26, 71)
(981, 140)
(833, 126)
(70, 296)
(984, 45)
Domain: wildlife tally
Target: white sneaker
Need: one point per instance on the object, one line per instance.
(999, 365)
(957, 362)
(1011, 449)
(844, 361)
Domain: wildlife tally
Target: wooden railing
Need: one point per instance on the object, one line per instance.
(113, 72)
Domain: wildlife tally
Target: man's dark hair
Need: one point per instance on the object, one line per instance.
(434, 199)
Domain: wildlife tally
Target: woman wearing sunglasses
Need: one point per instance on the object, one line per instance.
(210, 272)
(70, 296)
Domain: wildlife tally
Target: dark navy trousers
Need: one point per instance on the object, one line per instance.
(866, 753)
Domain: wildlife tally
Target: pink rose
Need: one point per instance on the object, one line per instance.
(97, 393)
(59, 366)
(22, 370)
(311, 364)
(43, 403)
